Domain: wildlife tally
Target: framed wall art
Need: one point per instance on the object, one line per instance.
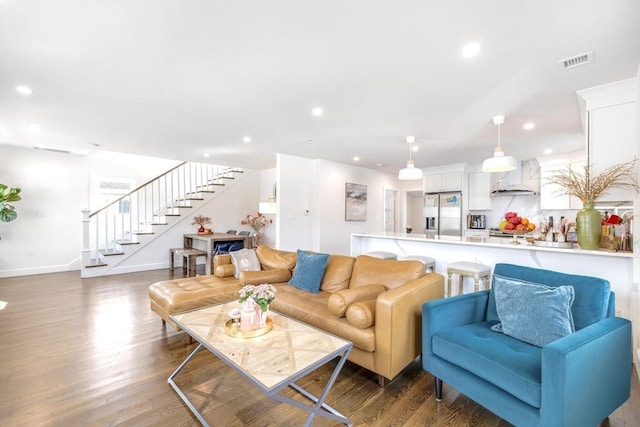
(355, 202)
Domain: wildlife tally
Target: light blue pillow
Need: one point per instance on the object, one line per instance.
(309, 271)
(533, 313)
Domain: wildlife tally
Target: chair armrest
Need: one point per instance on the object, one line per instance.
(398, 322)
(449, 313)
(590, 369)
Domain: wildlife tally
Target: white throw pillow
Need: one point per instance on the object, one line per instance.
(244, 260)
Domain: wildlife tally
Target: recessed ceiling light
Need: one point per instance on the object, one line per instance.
(246, 139)
(317, 112)
(356, 159)
(379, 164)
(548, 151)
(470, 50)
(528, 126)
(34, 127)
(25, 90)
(309, 141)
(206, 154)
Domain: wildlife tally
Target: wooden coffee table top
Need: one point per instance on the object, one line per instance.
(290, 349)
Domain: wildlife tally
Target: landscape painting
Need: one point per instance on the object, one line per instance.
(355, 202)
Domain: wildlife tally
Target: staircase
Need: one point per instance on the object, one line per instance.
(125, 226)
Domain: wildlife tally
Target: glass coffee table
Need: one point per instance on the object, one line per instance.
(272, 361)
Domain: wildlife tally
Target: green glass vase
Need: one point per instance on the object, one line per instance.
(588, 227)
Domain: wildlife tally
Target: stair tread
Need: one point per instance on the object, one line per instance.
(95, 263)
(126, 242)
(138, 233)
(110, 252)
(158, 223)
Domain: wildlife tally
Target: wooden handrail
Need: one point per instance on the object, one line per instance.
(136, 189)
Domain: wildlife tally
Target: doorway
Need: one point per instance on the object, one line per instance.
(390, 210)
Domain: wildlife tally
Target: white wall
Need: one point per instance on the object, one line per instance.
(318, 186)
(46, 236)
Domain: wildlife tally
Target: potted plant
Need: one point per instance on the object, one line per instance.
(201, 221)
(588, 188)
(8, 211)
(257, 222)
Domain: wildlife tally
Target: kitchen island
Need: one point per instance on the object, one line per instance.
(616, 267)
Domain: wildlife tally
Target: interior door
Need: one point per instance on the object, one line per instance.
(390, 210)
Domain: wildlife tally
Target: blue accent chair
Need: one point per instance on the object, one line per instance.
(577, 380)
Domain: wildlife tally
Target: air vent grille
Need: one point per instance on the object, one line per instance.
(577, 60)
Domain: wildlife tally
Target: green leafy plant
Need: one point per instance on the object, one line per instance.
(8, 211)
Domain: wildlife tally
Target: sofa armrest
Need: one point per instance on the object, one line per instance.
(398, 323)
(277, 275)
(590, 369)
(448, 313)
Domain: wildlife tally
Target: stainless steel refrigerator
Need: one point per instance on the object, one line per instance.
(443, 213)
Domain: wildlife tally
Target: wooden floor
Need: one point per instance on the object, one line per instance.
(89, 352)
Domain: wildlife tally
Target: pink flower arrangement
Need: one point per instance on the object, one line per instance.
(261, 294)
(256, 222)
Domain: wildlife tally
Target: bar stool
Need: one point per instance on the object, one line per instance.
(429, 263)
(468, 269)
(382, 255)
(189, 258)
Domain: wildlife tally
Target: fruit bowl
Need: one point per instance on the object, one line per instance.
(515, 234)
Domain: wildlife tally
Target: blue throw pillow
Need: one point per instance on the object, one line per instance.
(533, 313)
(309, 271)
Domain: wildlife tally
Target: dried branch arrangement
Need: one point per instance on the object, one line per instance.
(589, 188)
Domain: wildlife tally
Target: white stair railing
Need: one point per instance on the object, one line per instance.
(140, 212)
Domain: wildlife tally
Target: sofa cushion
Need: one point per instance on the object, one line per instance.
(362, 314)
(592, 294)
(533, 313)
(340, 301)
(312, 309)
(387, 272)
(309, 271)
(244, 260)
(506, 362)
(273, 258)
(276, 275)
(338, 273)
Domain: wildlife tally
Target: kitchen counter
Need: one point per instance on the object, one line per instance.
(500, 242)
(617, 267)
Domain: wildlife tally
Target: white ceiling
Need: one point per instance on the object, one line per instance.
(176, 79)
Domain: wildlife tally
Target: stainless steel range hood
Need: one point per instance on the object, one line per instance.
(524, 181)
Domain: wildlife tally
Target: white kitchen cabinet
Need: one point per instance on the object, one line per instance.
(479, 191)
(612, 134)
(550, 199)
(451, 181)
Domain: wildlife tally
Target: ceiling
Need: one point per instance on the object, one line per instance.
(177, 79)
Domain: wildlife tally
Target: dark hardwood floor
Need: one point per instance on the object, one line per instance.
(89, 352)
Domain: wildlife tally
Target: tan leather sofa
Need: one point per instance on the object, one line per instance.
(374, 303)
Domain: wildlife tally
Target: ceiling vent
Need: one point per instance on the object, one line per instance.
(575, 61)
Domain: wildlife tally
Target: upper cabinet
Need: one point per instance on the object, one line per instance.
(479, 191)
(611, 120)
(436, 183)
(550, 197)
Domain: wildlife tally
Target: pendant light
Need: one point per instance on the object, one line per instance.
(410, 172)
(499, 162)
